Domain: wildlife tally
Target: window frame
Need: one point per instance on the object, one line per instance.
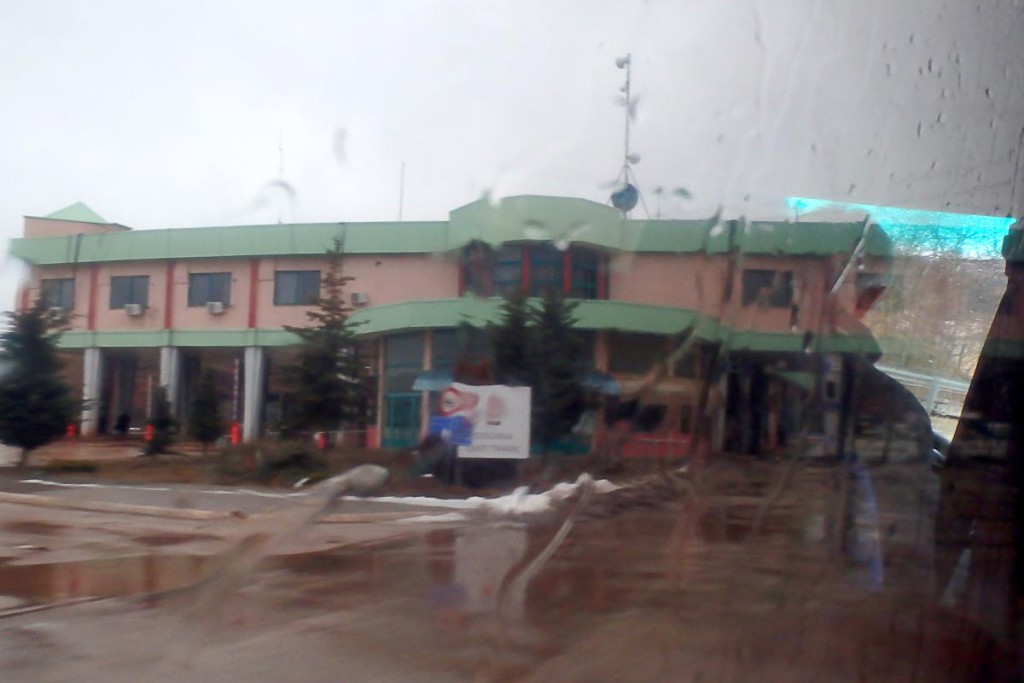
(577, 272)
(133, 290)
(635, 353)
(581, 271)
(193, 294)
(66, 285)
(311, 299)
(511, 257)
(545, 257)
(772, 280)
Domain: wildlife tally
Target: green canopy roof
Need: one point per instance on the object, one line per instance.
(240, 241)
(560, 220)
(77, 212)
(780, 342)
(590, 315)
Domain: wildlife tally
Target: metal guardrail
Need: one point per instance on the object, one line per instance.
(932, 383)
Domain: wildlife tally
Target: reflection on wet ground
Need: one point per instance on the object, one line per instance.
(663, 582)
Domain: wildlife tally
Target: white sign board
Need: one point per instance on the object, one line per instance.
(498, 419)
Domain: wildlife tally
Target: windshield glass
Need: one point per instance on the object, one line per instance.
(511, 342)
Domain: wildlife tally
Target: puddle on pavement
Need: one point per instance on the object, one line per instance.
(45, 582)
(674, 591)
(36, 527)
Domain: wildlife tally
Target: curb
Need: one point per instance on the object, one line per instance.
(191, 515)
(117, 508)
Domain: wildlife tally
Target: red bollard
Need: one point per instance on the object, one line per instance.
(236, 433)
(321, 440)
(148, 434)
(72, 431)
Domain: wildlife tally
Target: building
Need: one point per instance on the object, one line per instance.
(150, 307)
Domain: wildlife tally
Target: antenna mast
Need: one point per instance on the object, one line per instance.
(625, 197)
(401, 190)
(280, 170)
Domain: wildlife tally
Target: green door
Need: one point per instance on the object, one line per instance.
(401, 420)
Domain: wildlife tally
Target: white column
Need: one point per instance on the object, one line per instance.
(92, 381)
(428, 364)
(718, 424)
(255, 373)
(170, 376)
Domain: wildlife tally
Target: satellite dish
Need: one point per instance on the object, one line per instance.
(633, 158)
(621, 62)
(625, 199)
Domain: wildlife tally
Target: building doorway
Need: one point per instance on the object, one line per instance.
(401, 420)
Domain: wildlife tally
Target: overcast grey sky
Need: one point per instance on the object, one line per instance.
(168, 114)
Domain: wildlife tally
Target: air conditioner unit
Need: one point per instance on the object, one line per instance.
(214, 307)
(360, 298)
(133, 309)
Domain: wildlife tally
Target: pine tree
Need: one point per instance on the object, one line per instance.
(36, 405)
(556, 356)
(511, 342)
(164, 425)
(538, 346)
(206, 424)
(327, 375)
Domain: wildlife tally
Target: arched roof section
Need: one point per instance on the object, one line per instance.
(532, 218)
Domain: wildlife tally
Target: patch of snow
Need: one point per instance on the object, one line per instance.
(69, 485)
(519, 502)
(431, 519)
(129, 487)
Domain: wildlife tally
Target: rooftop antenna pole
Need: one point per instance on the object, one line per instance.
(401, 191)
(626, 196)
(280, 168)
(627, 105)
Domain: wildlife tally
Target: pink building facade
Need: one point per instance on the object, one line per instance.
(150, 308)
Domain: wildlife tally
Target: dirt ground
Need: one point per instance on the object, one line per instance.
(738, 569)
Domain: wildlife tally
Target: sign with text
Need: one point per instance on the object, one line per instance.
(454, 429)
(498, 419)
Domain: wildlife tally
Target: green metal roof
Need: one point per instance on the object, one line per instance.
(804, 380)
(243, 241)
(515, 219)
(704, 235)
(131, 339)
(434, 313)
(448, 313)
(535, 218)
(590, 315)
(811, 239)
(780, 342)
(77, 212)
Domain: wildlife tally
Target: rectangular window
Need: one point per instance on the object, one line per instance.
(772, 288)
(444, 350)
(584, 274)
(508, 270)
(59, 292)
(129, 289)
(296, 287)
(206, 287)
(635, 353)
(545, 270)
(477, 264)
(403, 360)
